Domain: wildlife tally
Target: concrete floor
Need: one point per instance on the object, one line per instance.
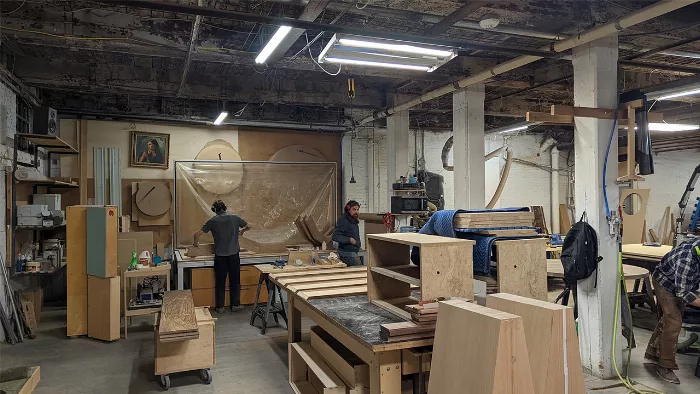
(246, 362)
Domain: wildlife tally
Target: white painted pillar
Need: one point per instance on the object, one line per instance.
(554, 209)
(595, 85)
(468, 147)
(397, 150)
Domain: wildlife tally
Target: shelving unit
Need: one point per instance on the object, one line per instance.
(446, 269)
(52, 145)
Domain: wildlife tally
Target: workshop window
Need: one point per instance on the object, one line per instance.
(24, 116)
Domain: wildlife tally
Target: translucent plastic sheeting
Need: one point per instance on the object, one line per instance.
(268, 195)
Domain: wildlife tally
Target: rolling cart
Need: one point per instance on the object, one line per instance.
(187, 355)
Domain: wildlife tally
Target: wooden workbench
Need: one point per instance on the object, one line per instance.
(352, 320)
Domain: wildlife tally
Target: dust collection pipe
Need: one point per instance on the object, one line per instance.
(504, 179)
(642, 15)
(448, 146)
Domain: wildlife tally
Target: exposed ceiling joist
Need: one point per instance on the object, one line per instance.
(313, 9)
(190, 49)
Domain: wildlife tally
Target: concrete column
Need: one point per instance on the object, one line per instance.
(554, 209)
(397, 150)
(595, 85)
(468, 147)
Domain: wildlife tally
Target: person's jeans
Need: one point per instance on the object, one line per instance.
(231, 266)
(662, 345)
(350, 259)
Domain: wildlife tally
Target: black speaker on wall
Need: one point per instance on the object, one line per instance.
(45, 121)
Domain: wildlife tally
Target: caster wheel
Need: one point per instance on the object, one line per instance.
(165, 382)
(205, 374)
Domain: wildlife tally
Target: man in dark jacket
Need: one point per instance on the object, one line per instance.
(676, 282)
(347, 234)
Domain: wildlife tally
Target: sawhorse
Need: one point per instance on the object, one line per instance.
(273, 306)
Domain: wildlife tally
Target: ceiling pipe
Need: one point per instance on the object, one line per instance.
(639, 16)
(471, 25)
(306, 25)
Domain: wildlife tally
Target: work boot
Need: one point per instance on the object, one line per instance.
(220, 310)
(651, 359)
(667, 375)
(236, 308)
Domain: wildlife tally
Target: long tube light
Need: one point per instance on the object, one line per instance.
(377, 64)
(680, 94)
(512, 129)
(273, 44)
(395, 47)
(221, 118)
(668, 127)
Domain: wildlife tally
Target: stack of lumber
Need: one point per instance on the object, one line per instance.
(494, 220)
(321, 281)
(178, 321)
(405, 331)
(423, 313)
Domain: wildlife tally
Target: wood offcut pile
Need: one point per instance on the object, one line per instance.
(422, 324)
(494, 220)
(178, 321)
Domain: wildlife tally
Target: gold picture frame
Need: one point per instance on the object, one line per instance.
(149, 150)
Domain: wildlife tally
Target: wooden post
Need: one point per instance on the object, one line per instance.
(294, 325)
(385, 372)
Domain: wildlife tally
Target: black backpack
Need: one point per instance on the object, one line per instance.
(580, 251)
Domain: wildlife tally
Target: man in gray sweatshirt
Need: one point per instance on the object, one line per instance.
(347, 234)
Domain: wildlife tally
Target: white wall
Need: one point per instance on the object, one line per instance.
(526, 185)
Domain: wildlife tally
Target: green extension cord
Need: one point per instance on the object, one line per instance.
(625, 380)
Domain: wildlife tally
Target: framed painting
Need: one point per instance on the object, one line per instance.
(150, 149)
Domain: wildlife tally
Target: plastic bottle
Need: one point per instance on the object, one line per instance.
(313, 256)
(19, 265)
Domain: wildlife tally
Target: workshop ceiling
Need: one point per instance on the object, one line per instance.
(106, 59)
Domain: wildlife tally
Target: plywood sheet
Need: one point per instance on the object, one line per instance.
(479, 348)
(564, 219)
(76, 270)
(522, 267)
(552, 343)
(144, 240)
(103, 308)
(177, 314)
(633, 225)
(447, 270)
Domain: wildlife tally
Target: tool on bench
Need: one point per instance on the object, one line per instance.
(279, 264)
(149, 294)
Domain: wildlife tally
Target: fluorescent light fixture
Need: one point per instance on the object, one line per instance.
(395, 47)
(672, 127)
(679, 94)
(512, 129)
(221, 118)
(380, 52)
(377, 64)
(273, 44)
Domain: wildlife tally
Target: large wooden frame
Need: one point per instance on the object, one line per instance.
(446, 269)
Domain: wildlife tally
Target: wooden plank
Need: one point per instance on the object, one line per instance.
(323, 279)
(447, 271)
(564, 219)
(479, 348)
(653, 236)
(392, 273)
(631, 143)
(102, 229)
(543, 117)
(315, 233)
(303, 361)
(103, 308)
(303, 230)
(425, 309)
(350, 368)
(553, 351)
(327, 285)
(415, 239)
(201, 250)
(601, 113)
(335, 292)
(177, 315)
(539, 220)
(667, 215)
(392, 308)
(389, 330)
(83, 160)
(290, 271)
(19, 380)
(76, 270)
(522, 267)
(28, 312)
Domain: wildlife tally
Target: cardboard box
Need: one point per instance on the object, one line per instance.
(53, 201)
(32, 210)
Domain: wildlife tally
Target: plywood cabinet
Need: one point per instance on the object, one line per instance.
(203, 286)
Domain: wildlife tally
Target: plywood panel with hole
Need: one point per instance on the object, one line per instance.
(76, 270)
(479, 348)
(633, 224)
(522, 267)
(447, 271)
(552, 343)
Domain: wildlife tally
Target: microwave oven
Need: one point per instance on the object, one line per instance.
(401, 204)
